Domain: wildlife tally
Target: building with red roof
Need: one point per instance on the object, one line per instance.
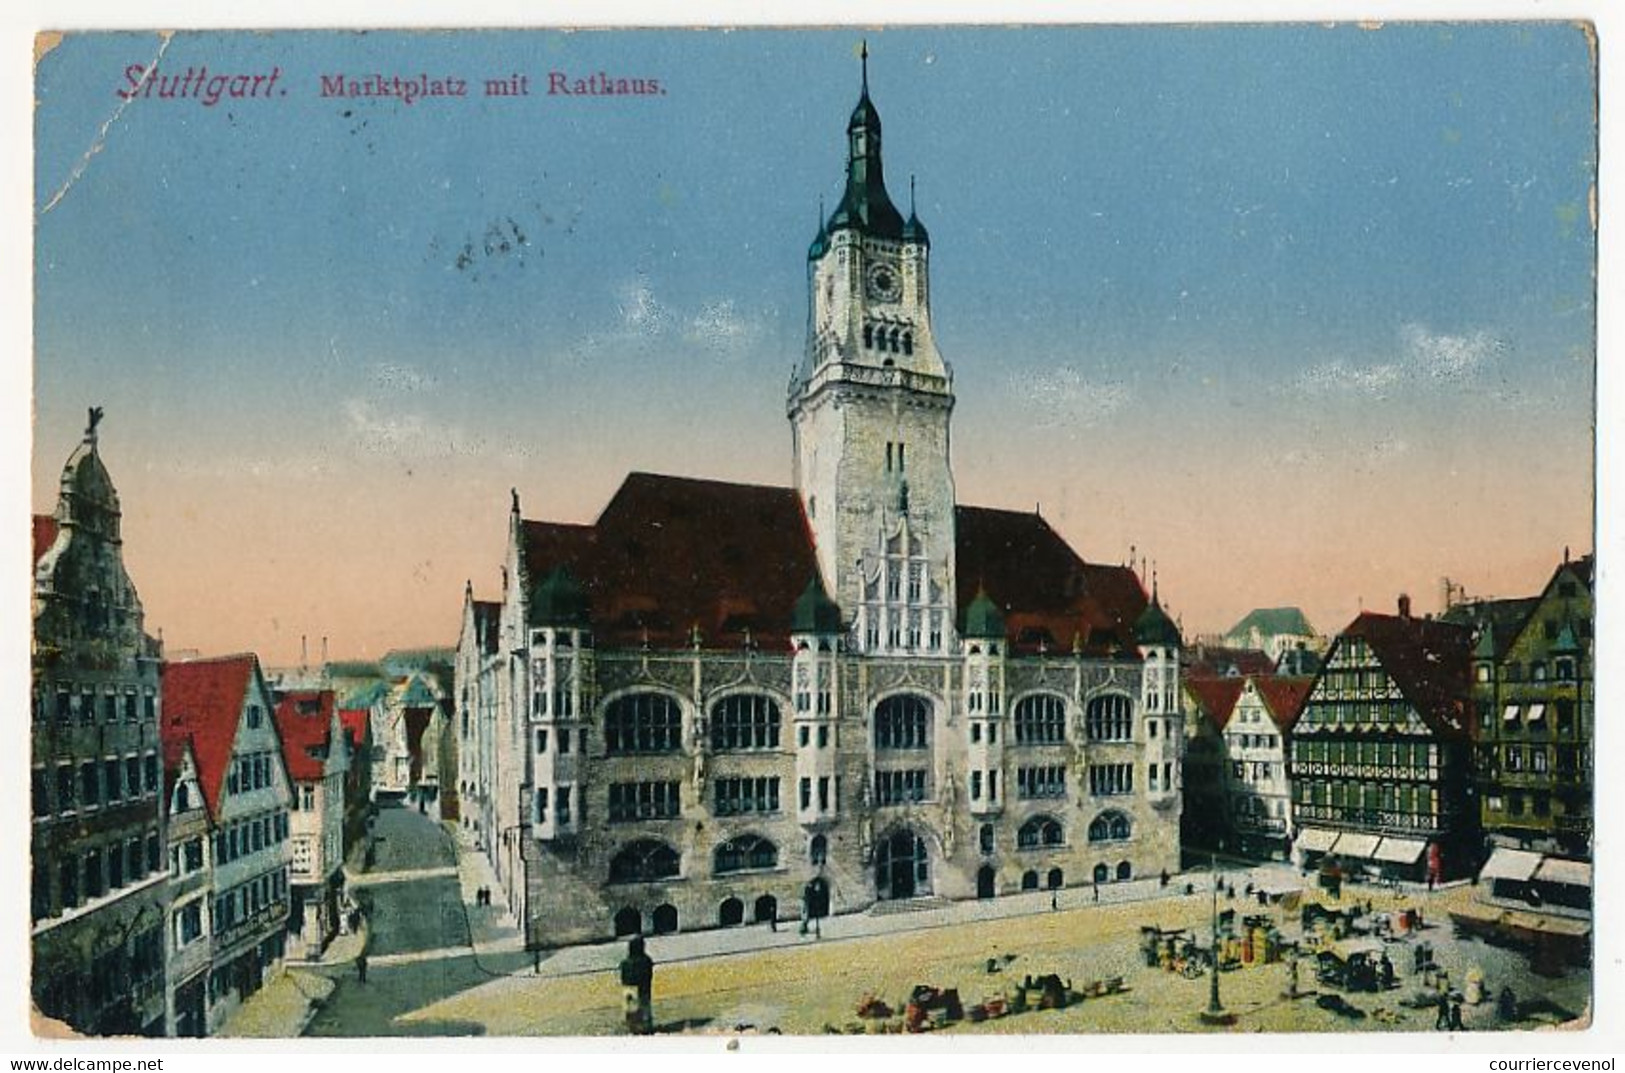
(98, 887)
(318, 759)
(221, 712)
(1258, 799)
(357, 728)
(1381, 751)
(720, 702)
(1209, 703)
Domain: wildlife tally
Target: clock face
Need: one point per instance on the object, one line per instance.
(885, 285)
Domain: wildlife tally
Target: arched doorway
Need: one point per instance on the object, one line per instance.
(902, 867)
(1053, 880)
(816, 897)
(1102, 873)
(1125, 870)
(767, 908)
(985, 879)
(731, 912)
(665, 919)
(1029, 880)
(628, 922)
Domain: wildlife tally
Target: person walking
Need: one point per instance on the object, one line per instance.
(1455, 1014)
(1097, 890)
(361, 967)
(1054, 902)
(1442, 1022)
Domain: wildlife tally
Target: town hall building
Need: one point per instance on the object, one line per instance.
(721, 704)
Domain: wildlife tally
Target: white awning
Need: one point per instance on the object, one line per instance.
(1510, 713)
(1400, 850)
(1560, 870)
(1315, 839)
(1507, 863)
(1537, 712)
(1357, 845)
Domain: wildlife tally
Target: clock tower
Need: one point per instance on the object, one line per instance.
(869, 407)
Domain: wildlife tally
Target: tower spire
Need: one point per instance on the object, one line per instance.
(911, 193)
(863, 55)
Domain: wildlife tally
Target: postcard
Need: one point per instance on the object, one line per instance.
(895, 531)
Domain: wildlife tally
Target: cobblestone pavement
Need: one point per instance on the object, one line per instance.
(426, 980)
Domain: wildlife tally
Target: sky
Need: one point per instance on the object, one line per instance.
(1303, 313)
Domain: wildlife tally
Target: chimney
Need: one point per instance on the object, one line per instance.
(1404, 606)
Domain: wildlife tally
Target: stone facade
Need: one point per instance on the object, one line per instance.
(99, 889)
(655, 733)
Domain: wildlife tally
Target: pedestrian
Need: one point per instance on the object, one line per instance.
(818, 928)
(1430, 882)
(1506, 1006)
(1387, 972)
(1455, 1014)
(1442, 1022)
(773, 921)
(536, 961)
(1054, 902)
(1164, 877)
(1097, 890)
(361, 967)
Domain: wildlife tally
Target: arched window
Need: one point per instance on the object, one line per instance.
(987, 838)
(644, 861)
(183, 798)
(1029, 880)
(1040, 831)
(745, 721)
(1109, 718)
(643, 723)
(1125, 870)
(1109, 827)
(747, 852)
(1102, 873)
(1055, 880)
(893, 340)
(1041, 720)
(908, 342)
(731, 912)
(901, 722)
(818, 849)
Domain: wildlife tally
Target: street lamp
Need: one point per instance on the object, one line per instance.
(1216, 1014)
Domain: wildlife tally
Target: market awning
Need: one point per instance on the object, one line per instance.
(1315, 839)
(1545, 922)
(1399, 850)
(1515, 864)
(1357, 845)
(1561, 870)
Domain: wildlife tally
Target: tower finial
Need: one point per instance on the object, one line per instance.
(863, 55)
(90, 425)
(911, 193)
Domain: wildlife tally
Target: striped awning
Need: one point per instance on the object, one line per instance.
(1354, 844)
(1514, 864)
(1315, 839)
(1561, 870)
(1399, 850)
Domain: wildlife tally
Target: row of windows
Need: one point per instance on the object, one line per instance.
(1108, 779)
(560, 703)
(804, 736)
(644, 801)
(735, 796)
(900, 787)
(251, 772)
(1046, 781)
(242, 837)
(825, 802)
(78, 704)
(1562, 670)
(83, 878)
(1383, 753)
(562, 807)
(976, 780)
(1537, 804)
(653, 722)
(543, 736)
(1530, 717)
(93, 783)
(1403, 797)
(241, 902)
(878, 337)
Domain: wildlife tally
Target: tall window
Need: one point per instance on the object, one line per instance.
(1040, 831)
(644, 861)
(1109, 827)
(1109, 718)
(899, 787)
(902, 722)
(1046, 781)
(643, 801)
(1041, 720)
(739, 795)
(745, 721)
(744, 853)
(643, 723)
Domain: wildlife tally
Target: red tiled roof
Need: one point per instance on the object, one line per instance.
(1429, 661)
(1219, 661)
(1046, 592)
(1283, 698)
(358, 721)
(671, 553)
(303, 719)
(1216, 698)
(203, 701)
(45, 530)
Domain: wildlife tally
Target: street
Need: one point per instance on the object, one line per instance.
(424, 978)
